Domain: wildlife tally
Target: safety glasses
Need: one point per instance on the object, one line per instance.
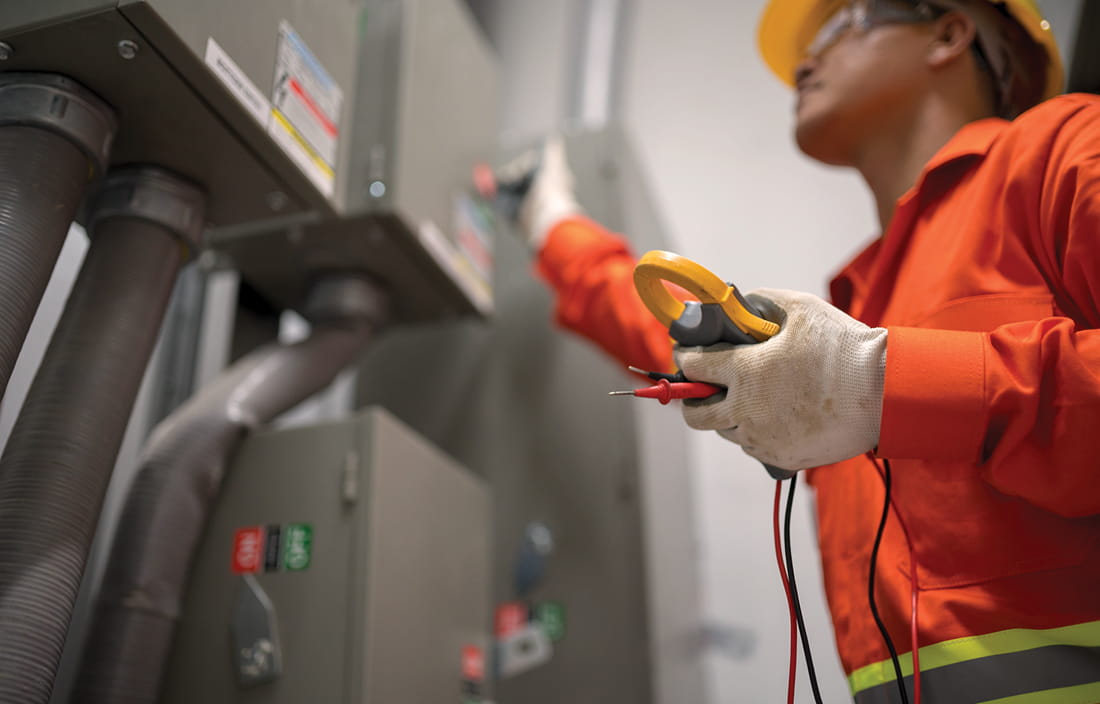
(862, 15)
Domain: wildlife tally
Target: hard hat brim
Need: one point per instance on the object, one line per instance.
(786, 28)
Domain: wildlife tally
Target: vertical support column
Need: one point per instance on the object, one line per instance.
(143, 223)
(54, 136)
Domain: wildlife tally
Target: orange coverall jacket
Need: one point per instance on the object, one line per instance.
(988, 280)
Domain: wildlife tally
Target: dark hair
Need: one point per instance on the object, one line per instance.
(1025, 61)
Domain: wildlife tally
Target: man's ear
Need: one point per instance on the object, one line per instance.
(952, 36)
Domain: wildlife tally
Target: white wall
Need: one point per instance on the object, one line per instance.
(531, 38)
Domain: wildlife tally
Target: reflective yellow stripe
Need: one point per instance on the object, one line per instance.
(962, 649)
(1081, 694)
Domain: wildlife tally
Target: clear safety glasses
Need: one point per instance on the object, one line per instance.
(862, 15)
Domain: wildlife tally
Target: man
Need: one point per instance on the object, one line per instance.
(962, 346)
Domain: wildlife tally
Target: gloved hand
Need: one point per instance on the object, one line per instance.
(549, 198)
(808, 396)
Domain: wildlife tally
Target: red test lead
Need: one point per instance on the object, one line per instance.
(665, 390)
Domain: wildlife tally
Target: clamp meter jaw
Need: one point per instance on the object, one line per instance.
(721, 313)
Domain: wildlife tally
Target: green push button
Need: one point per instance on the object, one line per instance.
(298, 550)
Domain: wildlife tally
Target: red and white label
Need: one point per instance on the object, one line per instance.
(473, 663)
(248, 550)
(306, 104)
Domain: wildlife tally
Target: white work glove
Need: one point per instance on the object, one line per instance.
(810, 395)
(550, 197)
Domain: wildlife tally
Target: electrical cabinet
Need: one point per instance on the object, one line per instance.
(344, 562)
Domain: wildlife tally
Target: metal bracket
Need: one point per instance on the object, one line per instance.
(153, 194)
(63, 106)
(343, 296)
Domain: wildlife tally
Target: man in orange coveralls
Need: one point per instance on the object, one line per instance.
(961, 345)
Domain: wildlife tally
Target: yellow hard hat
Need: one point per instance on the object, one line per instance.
(788, 26)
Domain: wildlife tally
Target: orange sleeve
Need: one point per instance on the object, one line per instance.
(1023, 401)
(935, 383)
(591, 272)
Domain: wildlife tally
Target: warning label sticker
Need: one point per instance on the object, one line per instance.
(298, 551)
(246, 549)
(305, 108)
(272, 548)
(238, 83)
(473, 663)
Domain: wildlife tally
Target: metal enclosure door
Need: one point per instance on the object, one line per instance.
(393, 586)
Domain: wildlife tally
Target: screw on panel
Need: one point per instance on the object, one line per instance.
(276, 200)
(376, 237)
(127, 49)
(6, 52)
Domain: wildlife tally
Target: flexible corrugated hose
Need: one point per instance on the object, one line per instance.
(55, 135)
(42, 178)
(57, 464)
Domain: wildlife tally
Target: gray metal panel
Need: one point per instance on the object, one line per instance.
(282, 264)
(428, 569)
(20, 15)
(375, 116)
(446, 110)
(283, 477)
(248, 31)
(1083, 61)
(191, 68)
(427, 109)
(526, 405)
(398, 581)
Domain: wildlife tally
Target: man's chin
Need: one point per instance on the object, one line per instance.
(816, 140)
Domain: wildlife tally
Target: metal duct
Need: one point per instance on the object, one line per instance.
(54, 135)
(180, 475)
(57, 464)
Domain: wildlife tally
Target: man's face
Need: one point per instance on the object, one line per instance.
(859, 79)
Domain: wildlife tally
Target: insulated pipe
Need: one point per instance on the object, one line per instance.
(57, 463)
(179, 477)
(54, 135)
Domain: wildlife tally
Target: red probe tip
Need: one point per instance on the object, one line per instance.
(664, 390)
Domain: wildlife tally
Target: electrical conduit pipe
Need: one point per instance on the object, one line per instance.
(142, 223)
(54, 136)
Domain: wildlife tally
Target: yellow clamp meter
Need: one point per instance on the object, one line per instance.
(721, 314)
